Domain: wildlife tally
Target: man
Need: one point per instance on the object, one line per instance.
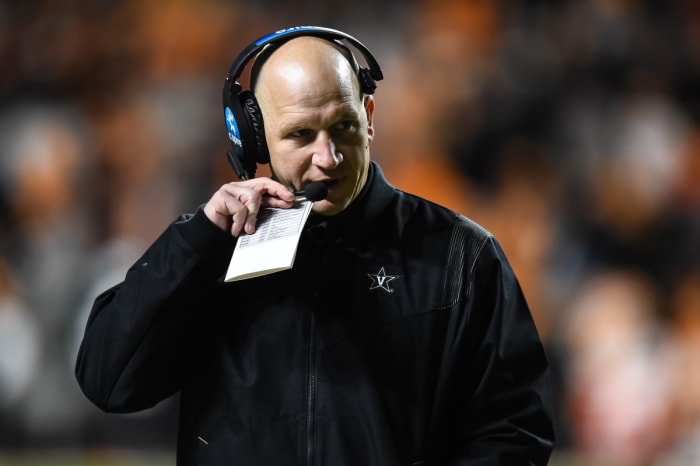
(399, 337)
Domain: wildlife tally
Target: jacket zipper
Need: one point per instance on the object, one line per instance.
(311, 395)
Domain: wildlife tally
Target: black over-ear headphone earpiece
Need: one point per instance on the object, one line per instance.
(244, 120)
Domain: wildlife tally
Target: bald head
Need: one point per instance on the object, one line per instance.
(305, 64)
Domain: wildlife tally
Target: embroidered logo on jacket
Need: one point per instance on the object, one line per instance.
(382, 280)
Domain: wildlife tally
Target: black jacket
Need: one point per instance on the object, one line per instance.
(400, 337)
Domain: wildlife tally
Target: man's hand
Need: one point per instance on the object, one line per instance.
(235, 205)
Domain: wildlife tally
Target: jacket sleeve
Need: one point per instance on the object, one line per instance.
(138, 333)
(500, 398)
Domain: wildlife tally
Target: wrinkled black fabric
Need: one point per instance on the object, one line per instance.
(320, 364)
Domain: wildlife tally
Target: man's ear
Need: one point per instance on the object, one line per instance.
(368, 102)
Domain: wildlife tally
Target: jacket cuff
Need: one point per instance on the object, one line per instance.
(208, 240)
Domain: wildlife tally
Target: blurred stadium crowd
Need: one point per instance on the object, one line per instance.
(570, 129)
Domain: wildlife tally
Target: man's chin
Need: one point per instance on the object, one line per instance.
(327, 208)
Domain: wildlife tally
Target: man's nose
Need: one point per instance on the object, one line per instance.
(325, 153)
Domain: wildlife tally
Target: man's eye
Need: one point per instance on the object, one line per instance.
(300, 133)
(345, 125)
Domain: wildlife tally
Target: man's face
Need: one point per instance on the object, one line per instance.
(318, 128)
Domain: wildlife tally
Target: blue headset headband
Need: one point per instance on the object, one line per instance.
(286, 34)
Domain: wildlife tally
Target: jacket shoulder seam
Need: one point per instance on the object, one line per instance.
(466, 243)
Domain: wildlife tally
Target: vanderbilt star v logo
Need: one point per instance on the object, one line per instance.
(382, 280)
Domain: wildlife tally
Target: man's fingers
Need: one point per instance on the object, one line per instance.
(252, 205)
(238, 214)
(279, 194)
(250, 224)
(235, 205)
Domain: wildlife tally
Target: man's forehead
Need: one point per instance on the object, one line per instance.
(307, 83)
(306, 53)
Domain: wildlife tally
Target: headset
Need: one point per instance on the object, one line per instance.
(244, 119)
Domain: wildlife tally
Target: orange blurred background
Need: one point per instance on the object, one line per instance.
(569, 129)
